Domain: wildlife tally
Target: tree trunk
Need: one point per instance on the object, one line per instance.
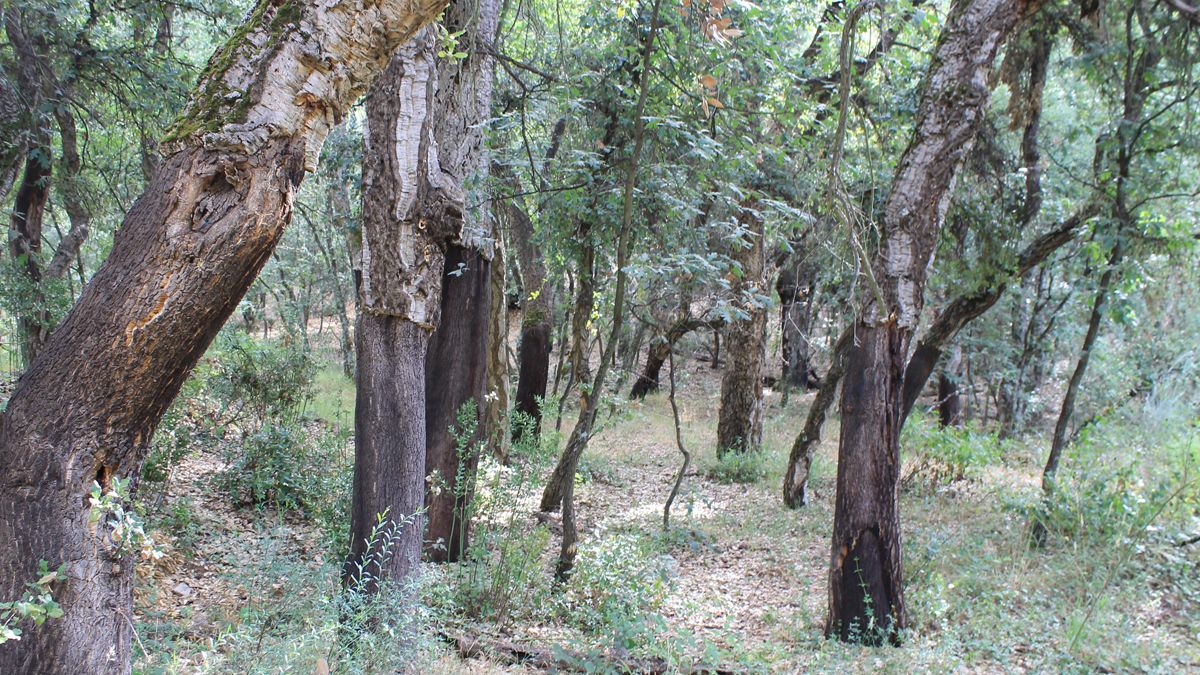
(456, 375)
(537, 320)
(740, 419)
(563, 476)
(189, 248)
(656, 356)
(495, 416)
(973, 304)
(456, 366)
(389, 451)
(866, 595)
(660, 348)
(564, 472)
(795, 285)
(950, 406)
(795, 478)
(25, 247)
(1067, 410)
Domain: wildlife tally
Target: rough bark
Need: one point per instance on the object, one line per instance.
(412, 212)
(389, 451)
(740, 418)
(795, 284)
(457, 363)
(866, 595)
(189, 248)
(795, 477)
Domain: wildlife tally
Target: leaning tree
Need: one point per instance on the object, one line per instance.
(84, 411)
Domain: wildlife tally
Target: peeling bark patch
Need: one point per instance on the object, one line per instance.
(156, 310)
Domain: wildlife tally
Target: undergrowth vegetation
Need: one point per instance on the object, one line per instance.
(1111, 588)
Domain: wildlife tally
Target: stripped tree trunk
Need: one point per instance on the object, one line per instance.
(85, 409)
(866, 595)
(740, 419)
(537, 320)
(411, 211)
(660, 348)
(455, 383)
(457, 363)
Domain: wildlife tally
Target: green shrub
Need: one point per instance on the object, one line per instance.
(268, 379)
(179, 521)
(616, 587)
(38, 603)
(940, 455)
(289, 468)
(738, 467)
(1115, 480)
(502, 576)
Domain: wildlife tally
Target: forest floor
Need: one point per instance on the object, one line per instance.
(744, 580)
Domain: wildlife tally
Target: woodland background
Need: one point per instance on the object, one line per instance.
(670, 240)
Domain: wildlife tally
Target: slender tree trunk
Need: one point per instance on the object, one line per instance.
(537, 320)
(740, 419)
(660, 348)
(564, 473)
(495, 417)
(795, 478)
(563, 476)
(85, 409)
(866, 594)
(1067, 411)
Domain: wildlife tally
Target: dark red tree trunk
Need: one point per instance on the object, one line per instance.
(866, 594)
(456, 375)
(457, 363)
(389, 450)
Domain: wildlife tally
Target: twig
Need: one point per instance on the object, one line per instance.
(687, 457)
